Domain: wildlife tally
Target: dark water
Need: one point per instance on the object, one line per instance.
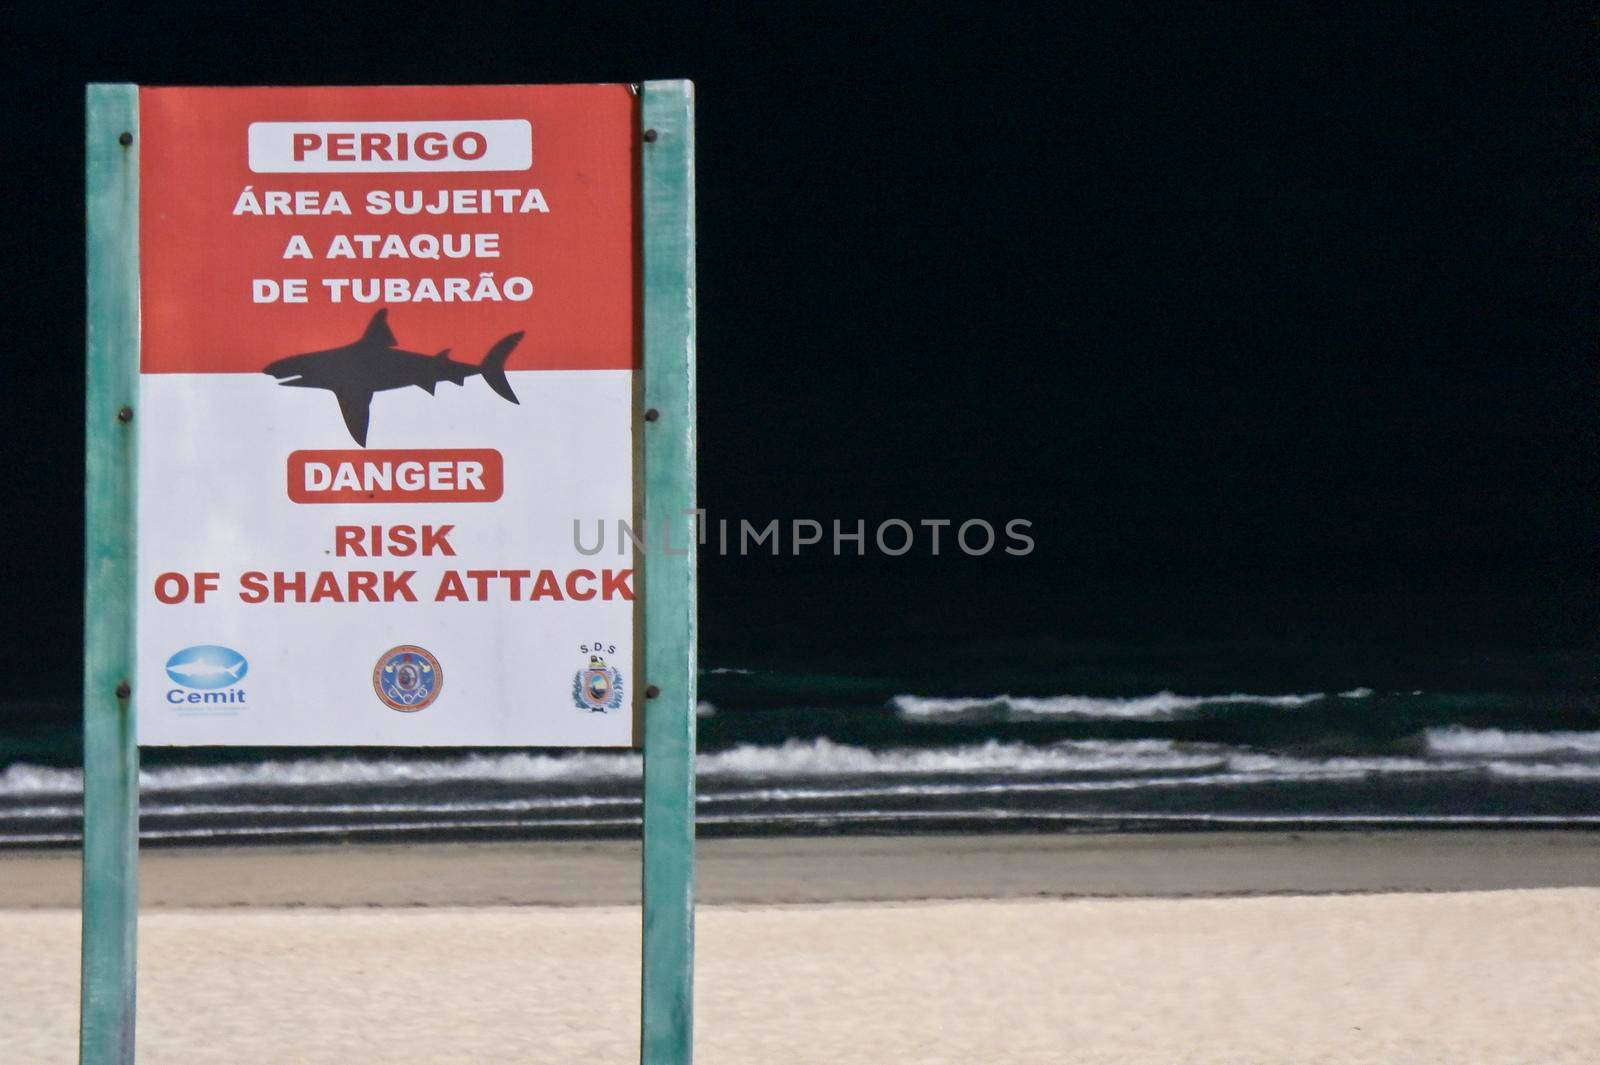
(1515, 741)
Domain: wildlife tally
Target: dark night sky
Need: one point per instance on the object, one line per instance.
(1277, 327)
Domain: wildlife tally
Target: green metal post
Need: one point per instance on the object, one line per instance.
(667, 177)
(110, 751)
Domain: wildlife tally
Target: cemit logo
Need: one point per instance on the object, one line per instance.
(207, 669)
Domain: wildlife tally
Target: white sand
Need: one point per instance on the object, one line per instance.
(1464, 979)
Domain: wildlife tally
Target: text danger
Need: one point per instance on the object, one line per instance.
(473, 475)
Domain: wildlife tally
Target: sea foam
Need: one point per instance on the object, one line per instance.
(1493, 742)
(1161, 706)
(794, 758)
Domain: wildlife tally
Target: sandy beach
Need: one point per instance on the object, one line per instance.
(1449, 947)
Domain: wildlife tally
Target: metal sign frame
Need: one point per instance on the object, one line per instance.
(666, 440)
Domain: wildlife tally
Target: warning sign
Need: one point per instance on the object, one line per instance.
(389, 340)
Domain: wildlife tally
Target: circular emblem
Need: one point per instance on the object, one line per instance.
(407, 678)
(597, 687)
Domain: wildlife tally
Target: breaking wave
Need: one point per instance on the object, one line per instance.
(989, 816)
(1158, 707)
(823, 758)
(1493, 742)
(795, 758)
(821, 784)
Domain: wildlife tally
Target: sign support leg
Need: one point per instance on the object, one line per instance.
(110, 749)
(667, 193)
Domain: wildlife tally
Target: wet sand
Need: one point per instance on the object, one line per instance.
(832, 869)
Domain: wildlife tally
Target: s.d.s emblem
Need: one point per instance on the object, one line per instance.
(597, 687)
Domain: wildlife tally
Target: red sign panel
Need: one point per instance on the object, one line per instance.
(278, 221)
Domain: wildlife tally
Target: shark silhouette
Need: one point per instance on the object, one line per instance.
(373, 364)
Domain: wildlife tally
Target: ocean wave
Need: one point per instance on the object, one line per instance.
(1493, 742)
(989, 815)
(1235, 771)
(1545, 770)
(823, 757)
(1452, 750)
(818, 758)
(795, 758)
(1158, 707)
(24, 779)
(151, 810)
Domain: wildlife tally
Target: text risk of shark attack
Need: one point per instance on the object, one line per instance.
(401, 586)
(390, 586)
